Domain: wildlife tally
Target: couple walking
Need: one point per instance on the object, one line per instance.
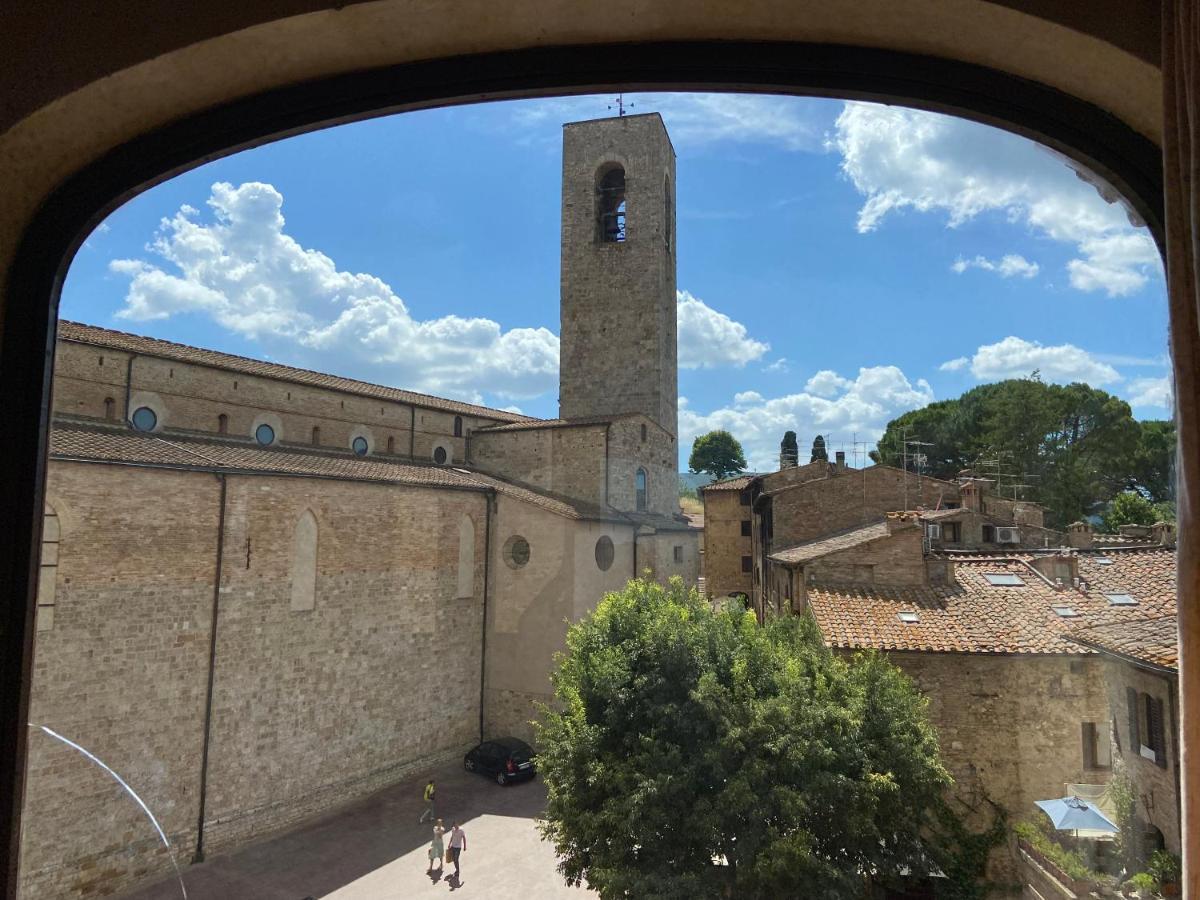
(458, 843)
(458, 838)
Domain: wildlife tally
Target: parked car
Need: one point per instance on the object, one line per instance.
(505, 759)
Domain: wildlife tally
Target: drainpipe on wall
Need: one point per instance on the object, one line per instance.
(635, 536)
(606, 467)
(198, 856)
(487, 565)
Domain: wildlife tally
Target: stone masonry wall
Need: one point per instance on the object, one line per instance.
(191, 397)
(311, 707)
(657, 454)
(567, 461)
(725, 545)
(1156, 800)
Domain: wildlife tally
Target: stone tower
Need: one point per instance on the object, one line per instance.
(618, 331)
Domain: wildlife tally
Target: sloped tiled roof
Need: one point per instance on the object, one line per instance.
(844, 540)
(974, 616)
(1153, 641)
(729, 484)
(133, 343)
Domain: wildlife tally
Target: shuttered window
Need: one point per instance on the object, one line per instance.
(1155, 733)
(1135, 731)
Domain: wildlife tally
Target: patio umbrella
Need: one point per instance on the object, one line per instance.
(1073, 814)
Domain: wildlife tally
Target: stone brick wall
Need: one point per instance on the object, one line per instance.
(818, 508)
(1010, 727)
(189, 397)
(897, 560)
(1155, 789)
(724, 544)
(657, 454)
(667, 554)
(567, 460)
(618, 350)
(310, 708)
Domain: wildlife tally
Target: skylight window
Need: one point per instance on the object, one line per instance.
(1102, 560)
(908, 617)
(1004, 579)
(1121, 600)
(1067, 612)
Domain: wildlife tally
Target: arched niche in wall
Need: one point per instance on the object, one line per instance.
(466, 557)
(304, 562)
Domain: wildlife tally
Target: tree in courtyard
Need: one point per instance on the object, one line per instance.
(718, 453)
(1132, 508)
(818, 450)
(696, 754)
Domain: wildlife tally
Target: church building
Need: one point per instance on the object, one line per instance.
(265, 590)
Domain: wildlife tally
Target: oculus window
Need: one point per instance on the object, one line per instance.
(359, 446)
(265, 435)
(516, 552)
(605, 553)
(144, 419)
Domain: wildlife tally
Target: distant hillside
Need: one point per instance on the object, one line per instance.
(693, 480)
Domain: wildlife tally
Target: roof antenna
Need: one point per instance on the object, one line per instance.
(620, 105)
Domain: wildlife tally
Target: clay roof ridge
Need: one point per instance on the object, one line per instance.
(82, 333)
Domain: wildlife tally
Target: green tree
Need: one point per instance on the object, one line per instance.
(1074, 445)
(696, 754)
(718, 453)
(788, 448)
(1128, 508)
(818, 450)
(1153, 468)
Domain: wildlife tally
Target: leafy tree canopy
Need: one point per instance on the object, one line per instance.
(1075, 446)
(818, 449)
(718, 453)
(1132, 508)
(697, 754)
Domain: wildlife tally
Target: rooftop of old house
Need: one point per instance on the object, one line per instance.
(1000, 603)
(737, 483)
(1154, 642)
(843, 540)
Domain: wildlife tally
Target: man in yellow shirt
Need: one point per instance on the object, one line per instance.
(430, 790)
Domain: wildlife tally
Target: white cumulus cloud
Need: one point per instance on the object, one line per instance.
(826, 383)
(862, 405)
(709, 339)
(954, 365)
(1150, 392)
(909, 159)
(1007, 266)
(1015, 357)
(243, 271)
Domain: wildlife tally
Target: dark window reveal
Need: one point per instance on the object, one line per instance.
(747, 564)
(745, 528)
(458, 426)
(610, 204)
(640, 485)
(678, 554)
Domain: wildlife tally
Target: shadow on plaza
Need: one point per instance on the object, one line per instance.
(326, 853)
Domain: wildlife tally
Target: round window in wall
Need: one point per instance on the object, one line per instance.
(604, 553)
(144, 419)
(516, 552)
(265, 435)
(359, 446)
(439, 455)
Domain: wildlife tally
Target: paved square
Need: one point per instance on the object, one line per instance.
(376, 850)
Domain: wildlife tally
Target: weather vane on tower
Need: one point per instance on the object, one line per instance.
(620, 105)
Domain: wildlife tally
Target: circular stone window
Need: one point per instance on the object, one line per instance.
(144, 418)
(604, 553)
(516, 552)
(359, 446)
(265, 435)
(439, 455)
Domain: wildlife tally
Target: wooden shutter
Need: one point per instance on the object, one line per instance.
(1135, 733)
(1116, 735)
(1089, 745)
(1155, 725)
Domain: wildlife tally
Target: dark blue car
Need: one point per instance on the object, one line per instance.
(505, 759)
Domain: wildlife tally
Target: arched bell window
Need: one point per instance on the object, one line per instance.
(610, 204)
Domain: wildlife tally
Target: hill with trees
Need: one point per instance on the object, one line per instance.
(1075, 448)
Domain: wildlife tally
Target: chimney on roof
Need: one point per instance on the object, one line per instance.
(899, 520)
(1080, 534)
(972, 495)
(1061, 569)
(1163, 533)
(840, 456)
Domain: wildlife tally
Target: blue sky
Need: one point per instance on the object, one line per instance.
(839, 263)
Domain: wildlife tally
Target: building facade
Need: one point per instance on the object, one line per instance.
(267, 590)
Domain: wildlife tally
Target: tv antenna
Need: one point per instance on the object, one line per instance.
(620, 105)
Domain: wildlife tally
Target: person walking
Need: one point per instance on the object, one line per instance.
(430, 791)
(458, 844)
(437, 849)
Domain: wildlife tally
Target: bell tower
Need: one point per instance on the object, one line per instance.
(618, 317)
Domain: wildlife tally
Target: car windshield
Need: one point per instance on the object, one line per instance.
(518, 750)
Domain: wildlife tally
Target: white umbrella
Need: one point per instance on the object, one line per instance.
(1073, 814)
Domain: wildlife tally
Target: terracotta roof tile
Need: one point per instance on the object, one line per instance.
(133, 343)
(975, 616)
(729, 484)
(844, 540)
(1154, 641)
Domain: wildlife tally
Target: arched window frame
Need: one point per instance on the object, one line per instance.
(110, 407)
(222, 424)
(305, 543)
(611, 204)
(458, 426)
(641, 485)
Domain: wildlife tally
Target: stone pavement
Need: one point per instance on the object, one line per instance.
(376, 850)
